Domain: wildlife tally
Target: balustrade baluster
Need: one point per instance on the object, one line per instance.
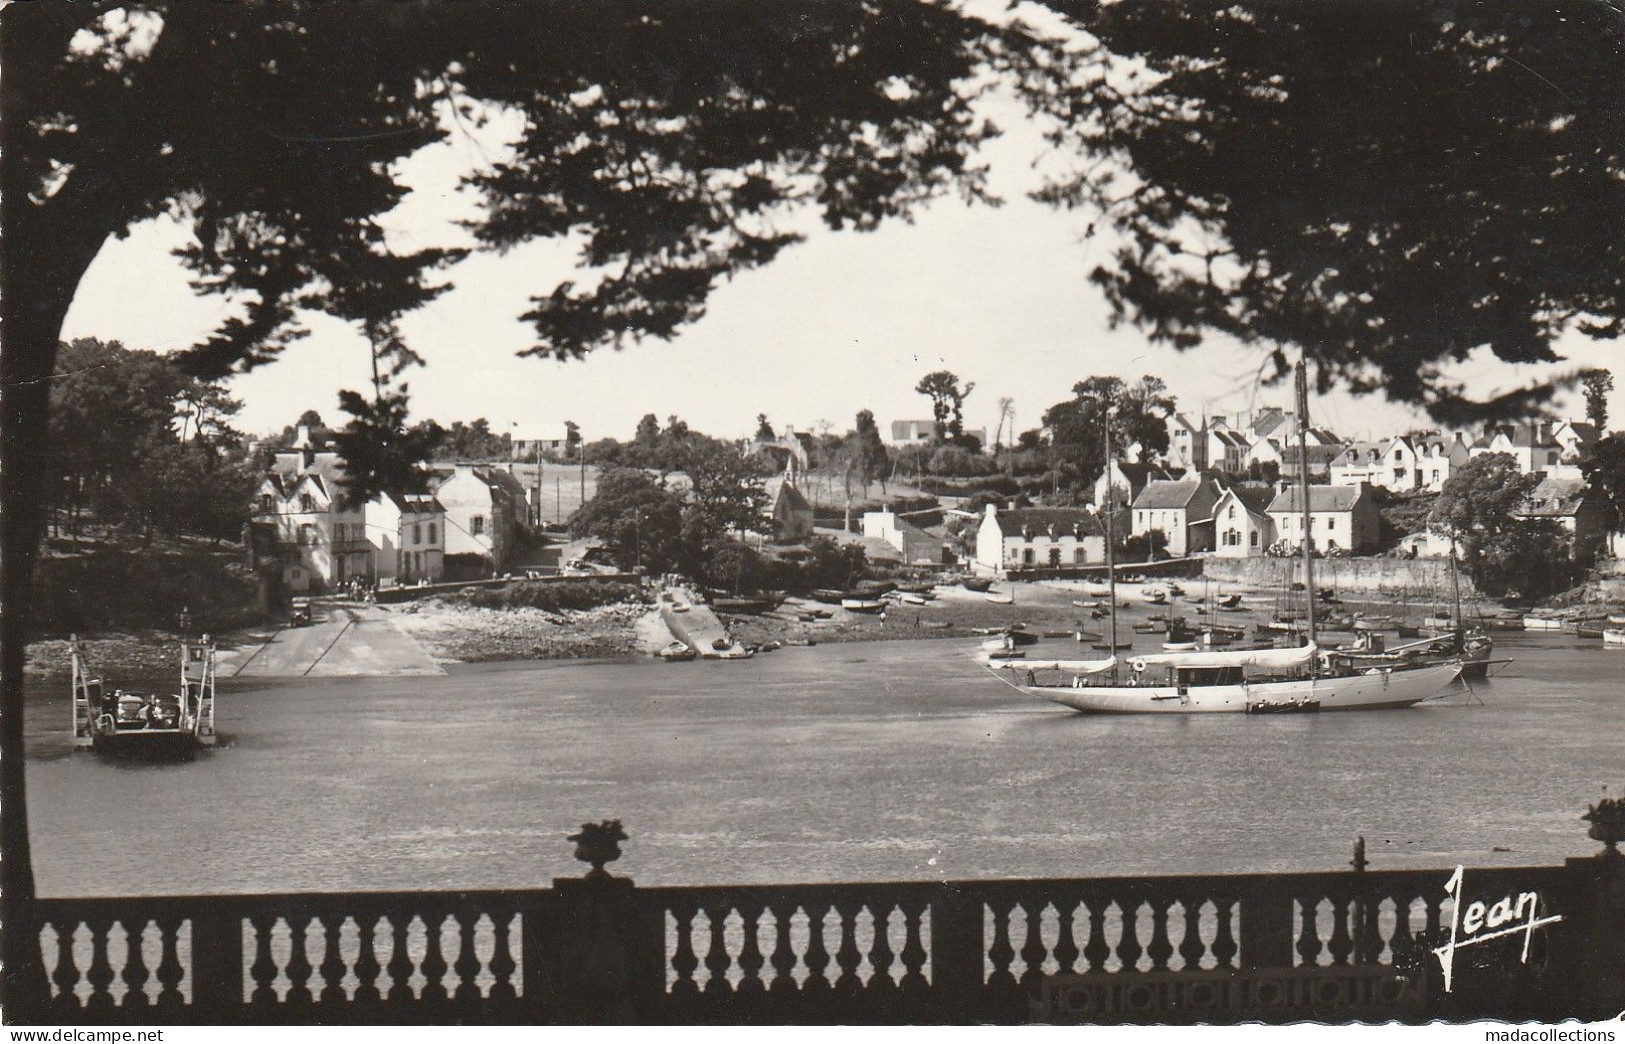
(1191, 947)
(66, 974)
(100, 973)
(717, 958)
(400, 962)
(1066, 947)
(467, 964)
(784, 953)
(332, 966)
(434, 962)
(881, 957)
(1130, 948)
(1001, 953)
(299, 966)
(366, 962)
(1341, 944)
(1225, 945)
(1097, 950)
(1033, 950)
(683, 961)
(135, 973)
(502, 963)
(1403, 940)
(170, 970)
(1160, 949)
(817, 956)
(913, 954)
(263, 970)
(751, 960)
(1309, 945)
(848, 956)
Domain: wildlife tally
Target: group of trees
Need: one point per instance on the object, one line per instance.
(1504, 554)
(646, 522)
(137, 443)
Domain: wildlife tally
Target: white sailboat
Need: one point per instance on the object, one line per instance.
(1255, 681)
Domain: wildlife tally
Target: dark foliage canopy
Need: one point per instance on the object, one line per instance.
(1386, 186)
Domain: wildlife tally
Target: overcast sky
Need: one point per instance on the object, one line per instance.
(842, 322)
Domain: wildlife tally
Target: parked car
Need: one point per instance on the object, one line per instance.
(299, 615)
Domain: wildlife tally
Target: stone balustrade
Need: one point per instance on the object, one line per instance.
(1216, 948)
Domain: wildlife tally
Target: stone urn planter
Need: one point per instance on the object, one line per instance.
(1607, 819)
(599, 843)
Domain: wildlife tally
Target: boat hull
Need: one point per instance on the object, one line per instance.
(1375, 691)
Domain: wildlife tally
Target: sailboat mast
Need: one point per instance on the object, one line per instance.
(1303, 486)
(1455, 583)
(1111, 581)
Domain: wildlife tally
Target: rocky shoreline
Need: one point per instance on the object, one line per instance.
(460, 633)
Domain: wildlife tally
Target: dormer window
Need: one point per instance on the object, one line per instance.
(267, 503)
(307, 502)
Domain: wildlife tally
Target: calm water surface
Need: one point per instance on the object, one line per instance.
(899, 760)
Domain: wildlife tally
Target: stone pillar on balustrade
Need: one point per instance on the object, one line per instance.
(599, 950)
(1595, 959)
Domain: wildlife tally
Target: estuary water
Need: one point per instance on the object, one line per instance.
(888, 760)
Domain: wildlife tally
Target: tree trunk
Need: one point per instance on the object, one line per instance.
(44, 253)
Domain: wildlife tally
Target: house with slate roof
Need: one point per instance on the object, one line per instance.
(1242, 525)
(1227, 450)
(1341, 518)
(913, 544)
(1182, 509)
(1038, 538)
(1187, 443)
(792, 515)
(485, 508)
(408, 535)
(1128, 479)
(323, 542)
(1530, 444)
(1438, 456)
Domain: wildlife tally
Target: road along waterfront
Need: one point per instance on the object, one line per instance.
(884, 760)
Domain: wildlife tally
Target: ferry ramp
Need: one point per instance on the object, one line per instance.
(343, 641)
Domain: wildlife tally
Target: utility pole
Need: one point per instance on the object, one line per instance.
(581, 452)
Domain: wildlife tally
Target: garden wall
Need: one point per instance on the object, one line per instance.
(1393, 576)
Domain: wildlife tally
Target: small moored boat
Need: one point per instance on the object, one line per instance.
(677, 652)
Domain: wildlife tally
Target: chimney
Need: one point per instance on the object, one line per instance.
(306, 448)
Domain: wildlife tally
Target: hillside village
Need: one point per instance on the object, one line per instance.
(1528, 507)
(1223, 487)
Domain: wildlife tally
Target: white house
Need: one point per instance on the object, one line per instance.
(1438, 455)
(916, 546)
(1242, 525)
(1529, 443)
(1341, 518)
(1575, 437)
(1038, 538)
(485, 508)
(924, 432)
(408, 535)
(532, 440)
(1227, 450)
(1394, 464)
(1183, 510)
(1187, 443)
(320, 543)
